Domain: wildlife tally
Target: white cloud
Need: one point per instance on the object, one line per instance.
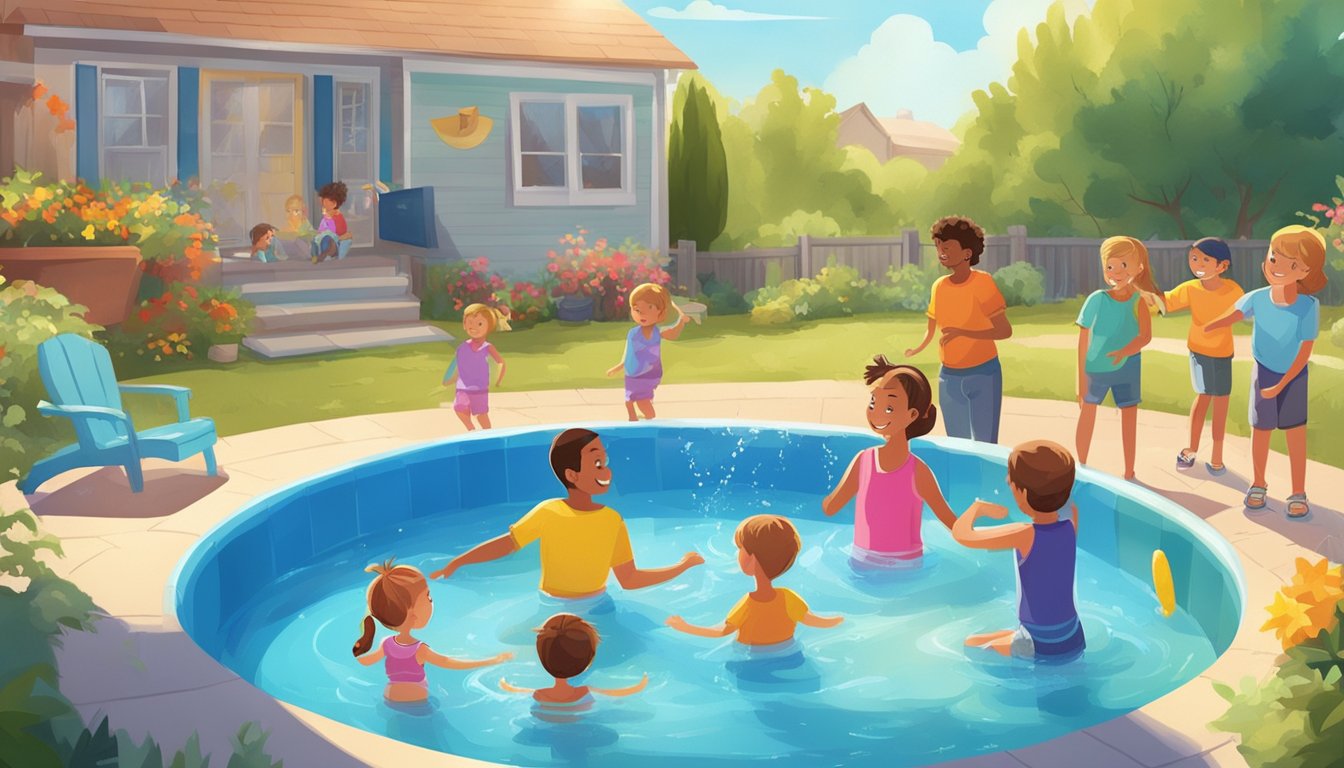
(904, 67)
(704, 10)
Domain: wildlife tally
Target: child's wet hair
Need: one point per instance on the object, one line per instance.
(918, 392)
(567, 452)
(1045, 471)
(260, 231)
(652, 293)
(335, 191)
(566, 645)
(963, 231)
(1306, 245)
(496, 317)
(390, 598)
(772, 540)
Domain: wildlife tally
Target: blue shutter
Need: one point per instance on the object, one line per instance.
(86, 123)
(188, 123)
(385, 136)
(324, 134)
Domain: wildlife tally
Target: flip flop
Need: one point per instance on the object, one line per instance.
(1255, 497)
(1185, 459)
(1217, 470)
(1298, 507)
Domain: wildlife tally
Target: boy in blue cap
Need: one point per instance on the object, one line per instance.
(1209, 296)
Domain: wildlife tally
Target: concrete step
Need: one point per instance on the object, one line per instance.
(237, 272)
(327, 289)
(292, 318)
(309, 343)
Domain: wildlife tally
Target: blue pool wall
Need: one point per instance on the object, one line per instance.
(319, 519)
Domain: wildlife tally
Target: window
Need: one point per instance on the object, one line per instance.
(354, 157)
(572, 149)
(135, 131)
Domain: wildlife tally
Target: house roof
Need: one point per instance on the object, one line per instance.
(603, 32)
(905, 131)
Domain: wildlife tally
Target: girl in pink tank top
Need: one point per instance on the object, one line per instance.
(890, 484)
(399, 599)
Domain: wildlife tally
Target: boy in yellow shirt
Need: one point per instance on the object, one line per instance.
(1208, 297)
(766, 547)
(582, 541)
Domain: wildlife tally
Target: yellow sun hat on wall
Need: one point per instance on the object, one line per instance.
(466, 129)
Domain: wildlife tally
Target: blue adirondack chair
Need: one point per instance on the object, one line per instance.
(79, 379)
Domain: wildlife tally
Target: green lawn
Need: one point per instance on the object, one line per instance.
(255, 394)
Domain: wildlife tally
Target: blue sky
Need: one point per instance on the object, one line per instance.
(923, 55)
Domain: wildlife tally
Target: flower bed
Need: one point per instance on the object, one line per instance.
(602, 273)
(182, 323)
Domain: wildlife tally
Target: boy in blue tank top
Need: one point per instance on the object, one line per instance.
(1040, 475)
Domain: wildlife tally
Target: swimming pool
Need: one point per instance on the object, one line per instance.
(276, 593)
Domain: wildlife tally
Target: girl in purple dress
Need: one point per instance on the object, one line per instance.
(399, 599)
(471, 365)
(643, 363)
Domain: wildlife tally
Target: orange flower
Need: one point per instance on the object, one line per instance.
(39, 90)
(65, 125)
(55, 106)
(184, 220)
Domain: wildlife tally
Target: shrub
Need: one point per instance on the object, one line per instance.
(720, 297)
(1022, 284)
(182, 323)
(452, 287)
(606, 274)
(30, 314)
(836, 291)
(528, 304)
(912, 284)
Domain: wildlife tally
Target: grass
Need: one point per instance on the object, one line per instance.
(255, 394)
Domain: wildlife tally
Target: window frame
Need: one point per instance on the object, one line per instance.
(573, 194)
(364, 236)
(168, 150)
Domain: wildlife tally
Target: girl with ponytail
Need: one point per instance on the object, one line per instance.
(470, 366)
(891, 484)
(1113, 327)
(399, 599)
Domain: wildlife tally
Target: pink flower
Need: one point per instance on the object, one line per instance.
(1319, 207)
(1329, 214)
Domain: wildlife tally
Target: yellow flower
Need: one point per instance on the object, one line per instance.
(1317, 583)
(88, 232)
(1289, 620)
(41, 194)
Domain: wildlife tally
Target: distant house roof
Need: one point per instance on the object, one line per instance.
(907, 132)
(603, 32)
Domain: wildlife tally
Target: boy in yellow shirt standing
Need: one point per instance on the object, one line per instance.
(1209, 296)
(766, 547)
(582, 541)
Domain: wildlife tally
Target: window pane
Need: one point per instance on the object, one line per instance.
(277, 103)
(600, 130)
(136, 166)
(226, 138)
(277, 140)
(156, 96)
(121, 97)
(226, 102)
(156, 131)
(542, 126)
(601, 171)
(122, 132)
(543, 170)
(352, 168)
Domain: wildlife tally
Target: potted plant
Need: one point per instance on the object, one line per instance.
(93, 246)
(225, 317)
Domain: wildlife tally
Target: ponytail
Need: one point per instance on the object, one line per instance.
(365, 641)
(496, 317)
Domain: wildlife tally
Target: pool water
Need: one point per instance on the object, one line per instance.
(892, 685)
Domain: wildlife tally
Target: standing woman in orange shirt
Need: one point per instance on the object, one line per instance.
(972, 314)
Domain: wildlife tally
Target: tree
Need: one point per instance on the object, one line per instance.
(697, 176)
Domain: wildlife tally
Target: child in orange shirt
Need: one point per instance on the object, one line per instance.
(766, 547)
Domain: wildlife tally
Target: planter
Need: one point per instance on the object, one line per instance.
(103, 278)
(223, 353)
(574, 309)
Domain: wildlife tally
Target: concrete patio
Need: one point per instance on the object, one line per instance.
(148, 677)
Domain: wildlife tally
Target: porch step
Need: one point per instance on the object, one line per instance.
(238, 272)
(326, 289)
(293, 318)
(293, 344)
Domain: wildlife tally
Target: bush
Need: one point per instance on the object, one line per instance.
(1337, 332)
(912, 284)
(720, 297)
(30, 314)
(836, 291)
(452, 287)
(528, 304)
(181, 324)
(604, 273)
(1022, 284)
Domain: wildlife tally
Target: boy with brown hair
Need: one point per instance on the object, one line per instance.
(766, 547)
(566, 646)
(582, 541)
(1040, 475)
(333, 236)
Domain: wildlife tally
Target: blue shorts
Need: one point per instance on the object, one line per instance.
(1211, 375)
(1125, 384)
(1288, 410)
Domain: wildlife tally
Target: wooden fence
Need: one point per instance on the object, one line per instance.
(1072, 265)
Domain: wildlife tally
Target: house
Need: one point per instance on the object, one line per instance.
(899, 136)
(526, 118)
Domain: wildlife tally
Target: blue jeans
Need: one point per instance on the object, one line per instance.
(971, 399)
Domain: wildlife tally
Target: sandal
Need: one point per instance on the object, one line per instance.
(1185, 459)
(1255, 497)
(1217, 470)
(1298, 507)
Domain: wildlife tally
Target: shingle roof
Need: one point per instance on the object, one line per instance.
(563, 31)
(905, 131)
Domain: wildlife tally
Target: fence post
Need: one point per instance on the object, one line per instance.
(686, 274)
(909, 246)
(805, 256)
(1017, 243)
